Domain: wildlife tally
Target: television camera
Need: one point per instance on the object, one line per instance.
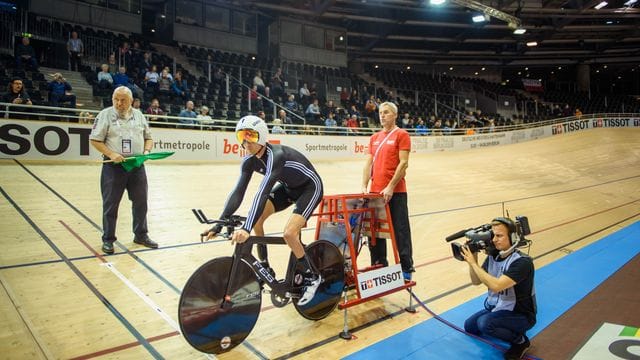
(480, 237)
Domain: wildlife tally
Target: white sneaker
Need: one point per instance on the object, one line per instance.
(310, 290)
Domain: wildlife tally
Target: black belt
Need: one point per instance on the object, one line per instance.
(110, 162)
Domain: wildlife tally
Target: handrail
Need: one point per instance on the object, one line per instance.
(49, 112)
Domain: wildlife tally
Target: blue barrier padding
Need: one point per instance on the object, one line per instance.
(559, 286)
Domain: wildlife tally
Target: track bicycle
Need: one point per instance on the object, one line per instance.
(220, 302)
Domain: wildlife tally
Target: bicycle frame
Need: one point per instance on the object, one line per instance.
(243, 253)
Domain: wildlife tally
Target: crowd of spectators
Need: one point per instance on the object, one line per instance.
(310, 112)
(159, 91)
(59, 91)
(269, 90)
(151, 80)
(357, 113)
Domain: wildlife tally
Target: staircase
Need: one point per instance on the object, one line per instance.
(371, 80)
(379, 84)
(80, 88)
(531, 96)
(180, 58)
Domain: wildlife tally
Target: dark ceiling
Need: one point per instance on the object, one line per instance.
(416, 32)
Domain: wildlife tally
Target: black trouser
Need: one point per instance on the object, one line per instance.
(75, 61)
(113, 181)
(400, 220)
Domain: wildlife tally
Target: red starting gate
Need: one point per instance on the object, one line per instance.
(345, 220)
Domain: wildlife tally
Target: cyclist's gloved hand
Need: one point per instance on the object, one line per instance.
(209, 234)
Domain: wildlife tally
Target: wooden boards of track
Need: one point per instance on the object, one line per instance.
(574, 188)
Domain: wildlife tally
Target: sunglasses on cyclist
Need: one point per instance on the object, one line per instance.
(251, 136)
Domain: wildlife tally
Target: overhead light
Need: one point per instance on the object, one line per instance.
(631, 2)
(601, 5)
(532, 43)
(436, 2)
(478, 18)
(519, 31)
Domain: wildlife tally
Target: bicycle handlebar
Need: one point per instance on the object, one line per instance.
(230, 223)
(233, 221)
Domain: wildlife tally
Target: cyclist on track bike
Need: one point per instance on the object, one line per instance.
(289, 178)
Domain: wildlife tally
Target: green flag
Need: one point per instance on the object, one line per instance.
(133, 162)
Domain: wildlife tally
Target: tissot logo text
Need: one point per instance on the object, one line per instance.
(575, 125)
(380, 280)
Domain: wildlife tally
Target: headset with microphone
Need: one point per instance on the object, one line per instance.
(513, 234)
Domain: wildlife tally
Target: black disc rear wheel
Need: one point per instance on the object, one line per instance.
(214, 321)
(329, 261)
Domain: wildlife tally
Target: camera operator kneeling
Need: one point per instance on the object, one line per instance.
(510, 306)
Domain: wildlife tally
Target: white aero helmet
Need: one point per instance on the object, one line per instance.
(252, 129)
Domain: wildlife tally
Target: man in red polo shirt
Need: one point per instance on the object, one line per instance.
(384, 173)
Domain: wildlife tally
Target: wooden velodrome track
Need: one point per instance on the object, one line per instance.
(60, 300)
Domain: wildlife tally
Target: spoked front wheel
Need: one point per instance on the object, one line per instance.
(329, 261)
(213, 320)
